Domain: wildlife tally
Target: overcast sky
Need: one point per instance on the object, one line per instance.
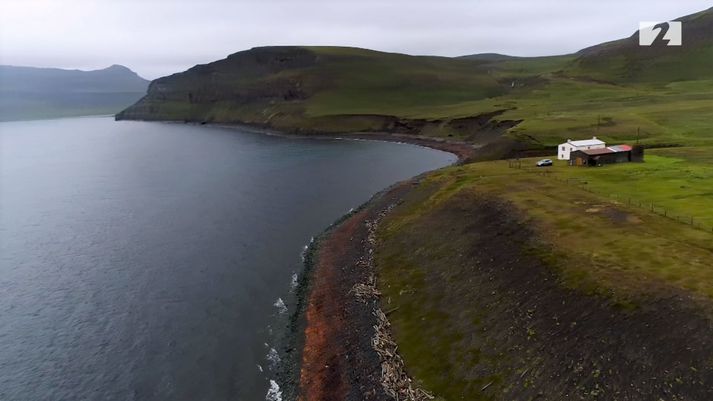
(159, 37)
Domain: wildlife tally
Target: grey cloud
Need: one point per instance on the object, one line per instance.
(159, 37)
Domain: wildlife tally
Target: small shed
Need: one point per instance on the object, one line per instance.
(608, 155)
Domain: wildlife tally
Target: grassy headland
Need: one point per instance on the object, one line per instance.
(509, 284)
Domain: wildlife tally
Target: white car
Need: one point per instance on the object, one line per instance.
(544, 163)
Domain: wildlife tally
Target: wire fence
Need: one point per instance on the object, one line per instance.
(643, 204)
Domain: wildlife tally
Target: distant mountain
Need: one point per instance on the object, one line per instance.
(32, 93)
(488, 57)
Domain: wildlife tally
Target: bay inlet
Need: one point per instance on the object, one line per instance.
(143, 261)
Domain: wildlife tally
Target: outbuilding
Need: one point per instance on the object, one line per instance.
(607, 155)
(565, 149)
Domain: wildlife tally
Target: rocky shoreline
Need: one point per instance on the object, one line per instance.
(336, 321)
(340, 346)
(463, 150)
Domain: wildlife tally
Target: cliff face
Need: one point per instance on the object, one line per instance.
(227, 90)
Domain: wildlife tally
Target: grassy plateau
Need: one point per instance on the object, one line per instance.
(473, 307)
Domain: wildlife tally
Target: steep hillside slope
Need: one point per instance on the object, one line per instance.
(625, 61)
(29, 92)
(313, 88)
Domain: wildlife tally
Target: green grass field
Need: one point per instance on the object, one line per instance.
(554, 102)
(448, 326)
(677, 182)
(605, 213)
(553, 105)
(563, 108)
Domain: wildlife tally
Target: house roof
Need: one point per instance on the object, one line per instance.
(586, 142)
(604, 151)
(595, 152)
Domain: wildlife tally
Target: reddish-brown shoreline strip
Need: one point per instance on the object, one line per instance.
(323, 366)
(338, 361)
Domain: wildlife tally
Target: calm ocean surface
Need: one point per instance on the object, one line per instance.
(149, 261)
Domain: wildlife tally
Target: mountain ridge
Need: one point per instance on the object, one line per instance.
(40, 92)
(628, 61)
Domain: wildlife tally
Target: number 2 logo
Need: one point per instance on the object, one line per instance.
(668, 32)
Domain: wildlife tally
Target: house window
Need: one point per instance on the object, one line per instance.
(563, 148)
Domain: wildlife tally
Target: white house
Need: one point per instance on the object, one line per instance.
(566, 148)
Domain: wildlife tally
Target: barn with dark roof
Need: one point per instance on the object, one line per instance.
(608, 155)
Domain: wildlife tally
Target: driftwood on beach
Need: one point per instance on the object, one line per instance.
(394, 379)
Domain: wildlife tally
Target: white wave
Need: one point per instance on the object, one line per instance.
(294, 281)
(280, 305)
(273, 358)
(305, 248)
(274, 393)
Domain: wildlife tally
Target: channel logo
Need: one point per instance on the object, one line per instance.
(668, 32)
